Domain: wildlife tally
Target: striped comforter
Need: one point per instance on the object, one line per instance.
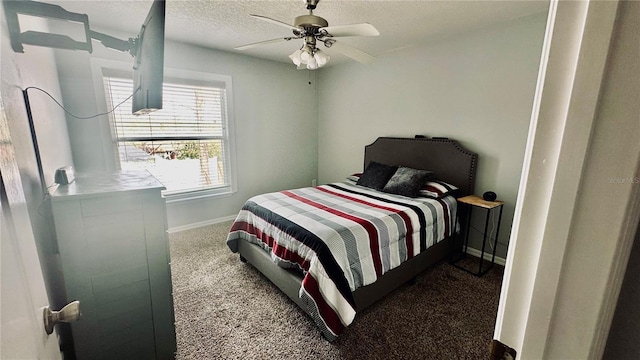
(342, 237)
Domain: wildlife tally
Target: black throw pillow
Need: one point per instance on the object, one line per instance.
(407, 181)
(376, 175)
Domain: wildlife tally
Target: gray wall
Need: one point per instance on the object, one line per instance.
(476, 87)
(275, 111)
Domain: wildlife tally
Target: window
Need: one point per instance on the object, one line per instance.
(187, 144)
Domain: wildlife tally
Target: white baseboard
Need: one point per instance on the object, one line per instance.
(200, 224)
(487, 256)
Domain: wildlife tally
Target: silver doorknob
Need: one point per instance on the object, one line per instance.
(69, 313)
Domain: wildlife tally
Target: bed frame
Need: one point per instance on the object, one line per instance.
(446, 158)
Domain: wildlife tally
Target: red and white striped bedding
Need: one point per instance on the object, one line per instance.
(342, 237)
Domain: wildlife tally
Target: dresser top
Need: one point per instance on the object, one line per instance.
(105, 184)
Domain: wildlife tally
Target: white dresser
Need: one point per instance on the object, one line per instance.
(112, 238)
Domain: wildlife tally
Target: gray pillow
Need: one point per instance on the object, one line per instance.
(407, 181)
(376, 175)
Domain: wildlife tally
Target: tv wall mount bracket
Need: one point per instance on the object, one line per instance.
(51, 11)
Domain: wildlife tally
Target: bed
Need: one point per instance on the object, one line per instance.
(337, 248)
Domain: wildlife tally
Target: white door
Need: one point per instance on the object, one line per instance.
(22, 294)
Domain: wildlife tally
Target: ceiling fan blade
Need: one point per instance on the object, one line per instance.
(350, 51)
(274, 21)
(364, 29)
(260, 43)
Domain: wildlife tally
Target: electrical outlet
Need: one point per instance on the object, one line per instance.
(314, 182)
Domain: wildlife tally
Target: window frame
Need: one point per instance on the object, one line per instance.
(178, 76)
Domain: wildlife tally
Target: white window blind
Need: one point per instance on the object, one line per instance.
(186, 144)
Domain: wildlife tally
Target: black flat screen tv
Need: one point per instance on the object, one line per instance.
(148, 67)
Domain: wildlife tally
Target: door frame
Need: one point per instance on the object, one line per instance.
(541, 273)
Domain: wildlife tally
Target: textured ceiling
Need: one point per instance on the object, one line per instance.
(224, 25)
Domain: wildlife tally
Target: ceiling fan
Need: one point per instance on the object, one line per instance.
(313, 30)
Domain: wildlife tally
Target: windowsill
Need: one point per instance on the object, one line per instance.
(199, 195)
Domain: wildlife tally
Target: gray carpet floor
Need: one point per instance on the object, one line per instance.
(225, 309)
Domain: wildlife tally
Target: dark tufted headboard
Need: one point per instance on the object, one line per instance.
(446, 158)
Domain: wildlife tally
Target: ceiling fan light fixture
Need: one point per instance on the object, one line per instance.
(296, 57)
(321, 58)
(306, 53)
(312, 57)
(313, 29)
(312, 64)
